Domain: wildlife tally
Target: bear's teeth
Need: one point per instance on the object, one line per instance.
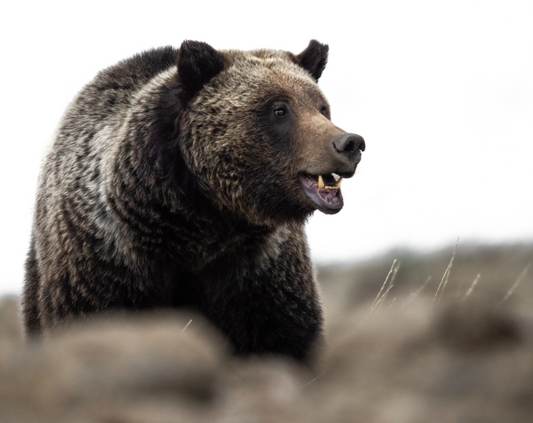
(338, 181)
(320, 182)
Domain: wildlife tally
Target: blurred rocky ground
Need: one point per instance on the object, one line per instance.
(407, 356)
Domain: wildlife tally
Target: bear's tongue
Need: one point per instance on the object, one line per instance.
(324, 191)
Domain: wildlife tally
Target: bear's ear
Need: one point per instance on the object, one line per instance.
(197, 63)
(314, 58)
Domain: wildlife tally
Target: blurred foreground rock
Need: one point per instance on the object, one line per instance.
(406, 361)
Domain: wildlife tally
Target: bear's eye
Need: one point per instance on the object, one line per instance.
(324, 111)
(280, 112)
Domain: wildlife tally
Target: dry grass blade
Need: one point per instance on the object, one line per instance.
(472, 286)
(380, 297)
(415, 294)
(383, 286)
(444, 280)
(311, 381)
(186, 326)
(515, 285)
(391, 283)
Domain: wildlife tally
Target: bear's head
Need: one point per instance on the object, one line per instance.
(255, 132)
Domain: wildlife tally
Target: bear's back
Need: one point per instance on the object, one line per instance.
(78, 171)
(110, 93)
(136, 71)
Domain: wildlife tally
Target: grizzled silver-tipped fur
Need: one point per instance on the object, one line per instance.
(183, 178)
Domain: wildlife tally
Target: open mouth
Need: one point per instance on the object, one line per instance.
(324, 191)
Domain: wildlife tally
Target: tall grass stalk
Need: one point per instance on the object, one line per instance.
(379, 298)
(515, 285)
(472, 286)
(444, 280)
(416, 293)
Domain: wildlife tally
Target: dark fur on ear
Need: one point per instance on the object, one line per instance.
(197, 62)
(314, 58)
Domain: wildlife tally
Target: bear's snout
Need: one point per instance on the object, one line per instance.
(346, 151)
(349, 145)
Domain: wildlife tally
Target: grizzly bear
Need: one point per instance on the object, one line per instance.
(183, 178)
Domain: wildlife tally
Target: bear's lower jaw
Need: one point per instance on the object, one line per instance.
(328, 198)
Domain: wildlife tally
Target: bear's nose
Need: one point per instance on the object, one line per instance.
(349, 145)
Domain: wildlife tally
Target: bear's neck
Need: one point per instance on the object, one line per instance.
(203, 233)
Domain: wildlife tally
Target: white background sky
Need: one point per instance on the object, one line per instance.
(441, 91)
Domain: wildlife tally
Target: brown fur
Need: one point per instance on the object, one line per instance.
(173, 182)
